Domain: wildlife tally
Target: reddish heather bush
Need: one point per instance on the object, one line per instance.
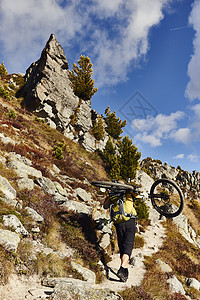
(177, 296)
(136, 293)
(42, 203)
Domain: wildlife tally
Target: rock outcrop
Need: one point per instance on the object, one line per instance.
(188, 180)
(48, 94)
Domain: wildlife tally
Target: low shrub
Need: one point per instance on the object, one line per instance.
(12, 114)
(59, 149)
(141, 208)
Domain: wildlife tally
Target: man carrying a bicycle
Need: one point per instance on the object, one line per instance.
(125, 228)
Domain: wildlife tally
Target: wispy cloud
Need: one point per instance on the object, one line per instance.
(193, 87)
(179, 156)
(113, 33)
(193, 157)
(155, 130)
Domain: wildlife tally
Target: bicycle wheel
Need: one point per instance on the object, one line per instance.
(167, 198)
(111, 185)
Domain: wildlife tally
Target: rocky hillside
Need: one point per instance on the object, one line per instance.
(53, 244)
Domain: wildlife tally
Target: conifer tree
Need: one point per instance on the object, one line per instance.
(129, 158)
(108, 154)
(98, 129)
(81, 81)
(3, 70)
(114, 124)
(115, 168)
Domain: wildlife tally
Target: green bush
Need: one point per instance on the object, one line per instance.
(147, 171)
(4, 92)
(12, 114)
(142, 209)
(59, 150)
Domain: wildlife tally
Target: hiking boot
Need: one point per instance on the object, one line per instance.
(123, 274)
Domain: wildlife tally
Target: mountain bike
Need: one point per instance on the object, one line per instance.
(166, 196)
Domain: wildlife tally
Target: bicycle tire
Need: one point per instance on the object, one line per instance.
(175, 203)
(108, 185)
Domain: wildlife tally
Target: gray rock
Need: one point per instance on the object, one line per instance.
(77, 207)
(175, 285)
(165, 268)
(22, 166)
(137, 260)
(87, 274)
(34, 214)
(192, 282)
(51, 187)
(185, 229)
(6, 139)
(35, 229)
(9, 240)
(47, 88)
(105, 241)
(83, 195)
(70, 288)
(13, 222)
(25, 183)
(7, 189)
(143, 179)
(11, 202)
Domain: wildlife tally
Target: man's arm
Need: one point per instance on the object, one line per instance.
(106, 203)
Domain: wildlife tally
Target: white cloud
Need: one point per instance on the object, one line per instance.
(154, 130)
(195, 120)
(113, 33)
(193, 158)
(150, 139)
(179, 156)
(182, 135)
(25, 26)
(193, 87)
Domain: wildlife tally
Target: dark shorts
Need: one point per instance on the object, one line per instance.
(126, 236)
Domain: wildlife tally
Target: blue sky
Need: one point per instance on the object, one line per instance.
(146, 61)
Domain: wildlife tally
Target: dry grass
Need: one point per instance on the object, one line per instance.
(6, 266)
(139, 241)
(192, 212)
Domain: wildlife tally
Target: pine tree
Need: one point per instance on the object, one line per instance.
(81, 81)
(98, 129)
(108, 154)
(114, 124)
(3, 70)
(115, 168)
(129, 158)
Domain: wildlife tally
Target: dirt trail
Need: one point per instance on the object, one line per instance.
(30, 288)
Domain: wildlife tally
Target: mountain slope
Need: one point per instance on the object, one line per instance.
(49, 212)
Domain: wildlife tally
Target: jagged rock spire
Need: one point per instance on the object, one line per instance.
(47, 92)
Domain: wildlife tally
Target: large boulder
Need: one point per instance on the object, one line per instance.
(7, 189)
(9, 240)
(13, 222)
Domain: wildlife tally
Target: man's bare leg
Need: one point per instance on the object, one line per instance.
(124, 260)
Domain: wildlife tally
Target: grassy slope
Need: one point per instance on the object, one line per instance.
(36, 142)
